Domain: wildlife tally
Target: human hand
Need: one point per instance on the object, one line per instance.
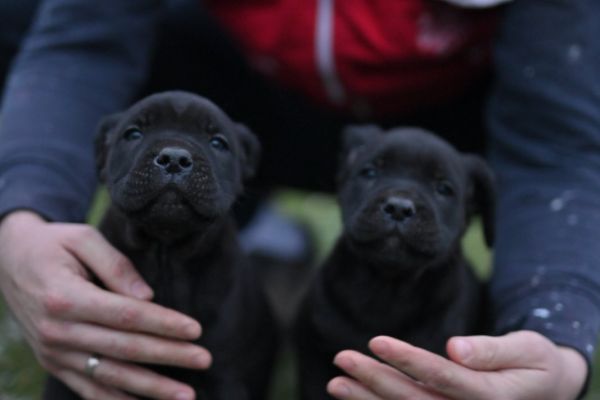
(66, 318)
(520, 365)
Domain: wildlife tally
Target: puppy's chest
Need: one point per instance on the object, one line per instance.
(425, 314)
(191, 286)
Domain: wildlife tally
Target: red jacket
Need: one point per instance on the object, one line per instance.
(364, 56)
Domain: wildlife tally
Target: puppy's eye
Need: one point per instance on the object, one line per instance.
(444, 188)
(368, 172)
(132, 134)
(219, 142)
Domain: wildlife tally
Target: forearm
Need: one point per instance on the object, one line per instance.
(81, 61)
(544, 123)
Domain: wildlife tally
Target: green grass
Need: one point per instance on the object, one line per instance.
(21, 378)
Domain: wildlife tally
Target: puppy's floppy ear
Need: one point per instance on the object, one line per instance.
(105, 127)
(482, 196)
(354, 138)
(251, 150)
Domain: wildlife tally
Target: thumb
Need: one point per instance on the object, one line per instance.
(487, 353)
(108, 264)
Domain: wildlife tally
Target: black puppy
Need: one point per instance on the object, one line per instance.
(406, 199)
(173, 164)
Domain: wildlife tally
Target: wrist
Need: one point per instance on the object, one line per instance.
(20, 217)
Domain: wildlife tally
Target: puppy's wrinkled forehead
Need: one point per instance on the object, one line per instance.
(415, 147)
(177, 110)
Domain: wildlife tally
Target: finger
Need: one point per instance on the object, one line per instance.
(435, 372)
(124, 345)
(381, 379)
(487, 353)
(92, 304)
(88, 389)
(345, 388)
(128, 377)
(107, 263)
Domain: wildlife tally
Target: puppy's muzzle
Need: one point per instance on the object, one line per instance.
(174, 161)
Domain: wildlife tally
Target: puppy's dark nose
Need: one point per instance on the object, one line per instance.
(174, 160)
(399, 208)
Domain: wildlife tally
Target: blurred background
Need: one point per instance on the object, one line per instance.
(21, 378)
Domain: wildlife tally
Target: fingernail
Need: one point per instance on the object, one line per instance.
(192, 330)
(184, 396)
(463, 349)
(203, 360)
(341, 389)
(380, 347)
(344, 362)
(140, 290)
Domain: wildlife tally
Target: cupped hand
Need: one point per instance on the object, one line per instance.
(521, 365)
(45, 279)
